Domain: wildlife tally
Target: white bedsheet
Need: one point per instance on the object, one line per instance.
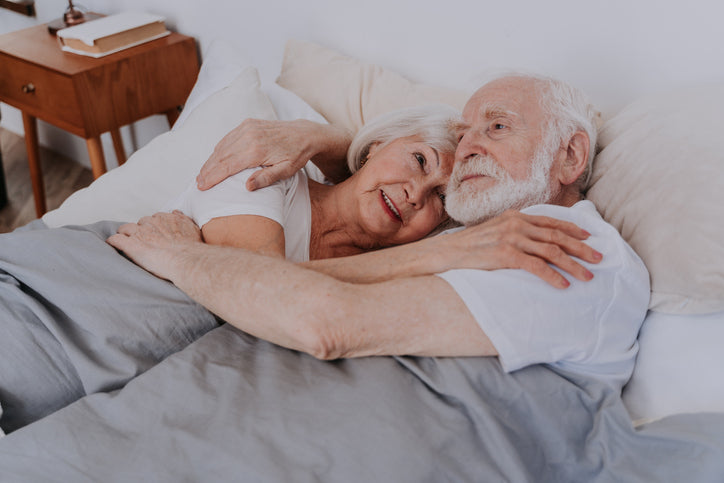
(678, 367)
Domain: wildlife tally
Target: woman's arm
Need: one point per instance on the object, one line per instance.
(512, 240)
(282, 147)
(251, 232)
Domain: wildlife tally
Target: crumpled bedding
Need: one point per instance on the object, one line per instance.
(230, 407)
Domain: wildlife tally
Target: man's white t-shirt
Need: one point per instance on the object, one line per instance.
(589, 328)
(286, 202)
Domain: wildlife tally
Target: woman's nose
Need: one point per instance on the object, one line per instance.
(418, 190)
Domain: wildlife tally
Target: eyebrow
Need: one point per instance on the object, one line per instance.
(491, 111)
(437, 156)
(458, 125)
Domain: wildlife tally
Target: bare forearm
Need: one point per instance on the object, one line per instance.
(302, 310)
(331, 145)
(244, 289)
(411, 260)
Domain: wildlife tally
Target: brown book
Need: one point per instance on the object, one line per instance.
(112, 33)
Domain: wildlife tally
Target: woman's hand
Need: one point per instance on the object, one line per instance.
(282, 147)
(516, 240)
(155, 241)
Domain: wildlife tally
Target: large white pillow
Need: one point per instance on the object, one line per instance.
(659, 180)
(348, 92)
(159, 171)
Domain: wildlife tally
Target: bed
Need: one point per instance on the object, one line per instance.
(229, 407)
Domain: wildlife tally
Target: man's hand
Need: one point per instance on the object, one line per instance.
(154, 241)
(512, 240)
(516, 240)
(282, 147)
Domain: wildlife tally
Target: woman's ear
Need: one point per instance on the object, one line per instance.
(576, 158)
(370, 152)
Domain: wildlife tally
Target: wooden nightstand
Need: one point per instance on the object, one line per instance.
(87, 96)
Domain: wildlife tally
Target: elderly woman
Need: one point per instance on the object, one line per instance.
(400, 162)
(79, 318)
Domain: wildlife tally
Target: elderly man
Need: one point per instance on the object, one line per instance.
(525, 144)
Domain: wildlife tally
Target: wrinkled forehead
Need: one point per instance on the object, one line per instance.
(515, 98)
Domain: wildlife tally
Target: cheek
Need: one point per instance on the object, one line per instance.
(425, 221)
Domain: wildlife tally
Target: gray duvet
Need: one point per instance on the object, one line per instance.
(229, 407)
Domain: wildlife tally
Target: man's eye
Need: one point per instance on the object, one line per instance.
(498, 125)
(420, 159)
(442, 197)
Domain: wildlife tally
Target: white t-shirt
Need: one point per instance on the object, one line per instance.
(286, 202)
(589, 328)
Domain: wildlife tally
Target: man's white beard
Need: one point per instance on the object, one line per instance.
(471, 205)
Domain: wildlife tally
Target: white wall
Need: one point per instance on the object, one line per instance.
(616, 50)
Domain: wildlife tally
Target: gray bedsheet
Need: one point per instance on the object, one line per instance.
(230, 407)
(78, 318)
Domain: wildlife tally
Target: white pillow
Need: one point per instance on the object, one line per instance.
(222, 63)
(162, 169)
(348, 92)
(678, 367)
(659, 181)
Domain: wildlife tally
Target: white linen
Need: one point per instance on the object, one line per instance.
(159, 171)
(678, 369)
(660, 185)
(286, 202)
(589, 328)
(223, 63)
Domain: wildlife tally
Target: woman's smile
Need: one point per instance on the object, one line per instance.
(390, 207)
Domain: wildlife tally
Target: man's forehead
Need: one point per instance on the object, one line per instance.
(501, 99)
(492, 109)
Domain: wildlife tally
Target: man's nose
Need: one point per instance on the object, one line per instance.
(470, 145)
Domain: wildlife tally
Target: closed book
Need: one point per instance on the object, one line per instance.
(110, 34)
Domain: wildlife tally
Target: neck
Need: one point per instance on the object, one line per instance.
(568, 196)
(333, 233)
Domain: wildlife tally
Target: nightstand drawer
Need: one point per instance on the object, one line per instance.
(40, 92)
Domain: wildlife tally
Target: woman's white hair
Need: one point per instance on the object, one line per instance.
(432, 123)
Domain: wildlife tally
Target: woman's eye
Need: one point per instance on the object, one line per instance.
(498, 125)
(420, 159)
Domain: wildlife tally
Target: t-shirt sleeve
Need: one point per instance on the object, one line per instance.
(589, 327)
(527, 320)
(230, 197)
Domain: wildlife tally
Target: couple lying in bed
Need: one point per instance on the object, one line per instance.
(523, 141)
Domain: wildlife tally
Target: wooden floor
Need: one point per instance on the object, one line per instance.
(62, 177)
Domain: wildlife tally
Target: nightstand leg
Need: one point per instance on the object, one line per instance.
(36, 174)
(172, 115)
(98, 161)
(118, 146)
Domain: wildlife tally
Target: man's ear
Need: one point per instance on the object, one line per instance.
(576, 158)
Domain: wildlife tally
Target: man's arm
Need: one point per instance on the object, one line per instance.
(303, 310)
(283, 147)
(513, 240)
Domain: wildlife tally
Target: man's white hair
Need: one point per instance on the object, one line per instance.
(568, 110)
(432, 123)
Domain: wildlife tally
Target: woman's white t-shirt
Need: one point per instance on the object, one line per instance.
(286, 202)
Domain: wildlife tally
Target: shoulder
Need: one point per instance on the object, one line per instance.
(618, 254)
